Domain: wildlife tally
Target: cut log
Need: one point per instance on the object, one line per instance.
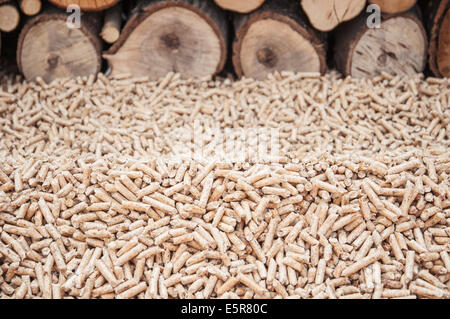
(30, 7)
(394, 6)
(86, 5)
(187, 36)
(111, 27)
(49, 49)
(325, 15)
(239, 5)
(439, 49)
(398, 47)
(277, 37)
(9, 16)
(443, 53)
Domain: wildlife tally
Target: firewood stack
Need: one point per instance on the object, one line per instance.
(196, 38)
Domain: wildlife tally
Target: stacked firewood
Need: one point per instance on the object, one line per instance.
(195, 37)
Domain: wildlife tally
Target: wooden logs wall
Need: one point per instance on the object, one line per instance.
(196, 38)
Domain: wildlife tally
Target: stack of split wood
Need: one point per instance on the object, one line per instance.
(194, 37)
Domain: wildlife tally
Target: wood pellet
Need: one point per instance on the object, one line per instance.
(108, 191)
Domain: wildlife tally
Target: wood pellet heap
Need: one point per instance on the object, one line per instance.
(95, 204)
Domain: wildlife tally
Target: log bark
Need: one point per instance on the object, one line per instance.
(277, 37)
(112, 24)
(239, 6)
(30, 7)
(439, 49)
(86, 5)
(185, 36)
(325, 15)
(49, 49)
(394, 6)
(9, 16)
(398, 47)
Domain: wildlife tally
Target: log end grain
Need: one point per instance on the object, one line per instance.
(49, 49)
(86, 5)
(269, 42)
(112, 24)
(438, 14)
(110, 35)
(443, 52)
(30, 7)
(394, 6)
(172, 36)
(239, 5)
(9, 17)
(325, 15)
(398, 47)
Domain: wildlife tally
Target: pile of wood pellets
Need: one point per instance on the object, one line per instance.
(98, 201)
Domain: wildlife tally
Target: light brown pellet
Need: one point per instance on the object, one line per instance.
(101, 199)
